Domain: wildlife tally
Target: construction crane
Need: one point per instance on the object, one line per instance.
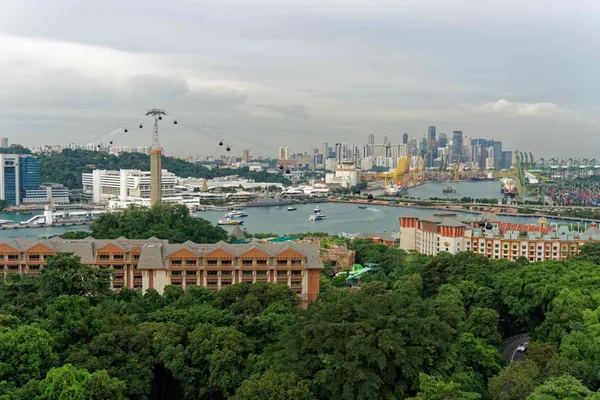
(455, 178)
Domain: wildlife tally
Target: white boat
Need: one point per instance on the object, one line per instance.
(236, 214)
(316, 217)
(317, 210)
(5, 221)
(290, 208)
(229, 221)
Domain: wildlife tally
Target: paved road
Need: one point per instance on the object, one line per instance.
(509, 348)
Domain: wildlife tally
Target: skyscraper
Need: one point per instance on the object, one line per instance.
(371, 139)
(385, 139)
(405, 138)
(3, 142)
(457, 143)
(17, 174)
(245, 155)
(443, 139)
(431, 134)
(325, 151)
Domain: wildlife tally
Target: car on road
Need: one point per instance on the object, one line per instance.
(523, 347)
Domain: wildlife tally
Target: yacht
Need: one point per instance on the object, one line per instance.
(317, 210)
(229, 221)
(236, 214)
(316, 217)
(449, 189)
(290, 208)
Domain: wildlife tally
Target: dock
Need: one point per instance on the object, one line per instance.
(9, 227)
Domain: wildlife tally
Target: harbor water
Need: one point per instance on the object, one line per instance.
(340, 217)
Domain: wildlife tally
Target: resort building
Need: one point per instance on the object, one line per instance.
(156, 263)
(447, 232)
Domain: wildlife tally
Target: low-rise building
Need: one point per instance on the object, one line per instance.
(124, 185)
(47, 193)
(447, 232)
(156, 263)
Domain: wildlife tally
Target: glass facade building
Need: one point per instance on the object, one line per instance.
(18, 173)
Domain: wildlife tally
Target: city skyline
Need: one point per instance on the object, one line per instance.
(365, 67)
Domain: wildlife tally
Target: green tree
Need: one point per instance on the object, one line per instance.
(484, 323)
(65, 274)
(213, 362)
(164, 221)
(25, 354)
(434, 388)
(68, 382)
(515, 382)
(274, 386)
(564, 387)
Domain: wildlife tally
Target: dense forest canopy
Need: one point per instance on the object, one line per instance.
(66, 167)
(421, 328)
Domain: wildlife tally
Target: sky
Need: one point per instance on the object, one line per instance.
(260, 74)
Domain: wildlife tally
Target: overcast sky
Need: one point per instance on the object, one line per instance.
(301, 72)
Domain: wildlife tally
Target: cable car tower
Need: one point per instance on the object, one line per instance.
(155, 158)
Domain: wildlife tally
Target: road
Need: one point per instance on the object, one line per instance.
(509, 348)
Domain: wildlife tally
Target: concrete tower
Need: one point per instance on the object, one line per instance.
(156, 159)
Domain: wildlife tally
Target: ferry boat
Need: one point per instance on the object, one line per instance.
(236, 214)
(449, 189)
(290, 208)
(5, 221)
(483, 177)
(229, 221)
(394, 190)
(316, 217)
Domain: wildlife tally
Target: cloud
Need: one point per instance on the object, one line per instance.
(507, 108)
(294, 110)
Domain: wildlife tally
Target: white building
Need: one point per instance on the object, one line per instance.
(346, 175)
(51, 193)
(125, 185)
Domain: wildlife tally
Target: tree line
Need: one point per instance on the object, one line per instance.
(67, 166)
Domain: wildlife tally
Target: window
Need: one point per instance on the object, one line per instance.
(35, 257)
(102, 257)
(212, 262)
(261, 273)
(118, 257)
(226, 262)
(190, 273)
(296, 273)
(282, 263)
(136, 257)
(225, 273)
(177, 283)
(212, 273)
(261, 263)
(247, 263)
(296, 263)
(176, 263)
(34, 267)
(247, 273)
(120, 266)
(190, 262)
(282, 273)
(176, 273)
(13, 257)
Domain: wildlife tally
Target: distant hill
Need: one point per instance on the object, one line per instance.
(66, 167)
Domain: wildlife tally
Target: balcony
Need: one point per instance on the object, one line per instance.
(176, 279)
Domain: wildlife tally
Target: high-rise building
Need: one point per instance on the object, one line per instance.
(18, 172)
(506, 160)
(284, 153)
(3, 142)
(405, 138)
(371, 139)
(245, 155)
(385, 139)
(443, 139)
(325, 150)
(431, 134)
(457, 143)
